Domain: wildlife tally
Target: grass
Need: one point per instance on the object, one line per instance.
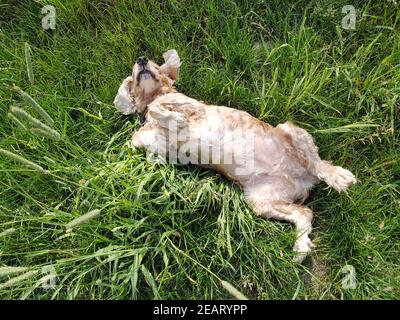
(152, 230)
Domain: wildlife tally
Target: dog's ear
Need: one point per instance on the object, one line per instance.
(171, 65)
(124, 101)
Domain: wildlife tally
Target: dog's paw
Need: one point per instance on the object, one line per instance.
(336, 177)
(302, 248)
(341, 179)
(172, 59)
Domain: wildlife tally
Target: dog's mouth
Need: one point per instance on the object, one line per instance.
(144, 74)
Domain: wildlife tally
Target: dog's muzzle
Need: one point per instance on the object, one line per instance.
(142, 61)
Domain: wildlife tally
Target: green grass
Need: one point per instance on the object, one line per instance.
(176, 232)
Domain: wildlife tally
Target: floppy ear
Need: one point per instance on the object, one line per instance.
(171, 65)
(123, 100)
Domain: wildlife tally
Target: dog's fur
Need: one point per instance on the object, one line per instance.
(285, 158)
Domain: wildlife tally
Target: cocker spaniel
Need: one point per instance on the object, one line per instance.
(275, 166)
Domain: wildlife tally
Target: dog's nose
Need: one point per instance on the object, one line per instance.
(142, 61)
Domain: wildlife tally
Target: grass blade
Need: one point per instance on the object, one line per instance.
(49, 120)
(36, 122)
(45, 133)
(82, 219)
(348, 128)
(22, 160)
(28, 60)
(7, 232)
(233, 291)
(135, 276)
(18, 279)
(151, 282)
(16, 121)
(5, 271)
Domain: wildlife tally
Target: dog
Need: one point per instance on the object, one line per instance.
(275, 166)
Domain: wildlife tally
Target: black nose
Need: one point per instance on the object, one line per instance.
(142, 61)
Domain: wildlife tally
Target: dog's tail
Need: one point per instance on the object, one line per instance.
(336, 177)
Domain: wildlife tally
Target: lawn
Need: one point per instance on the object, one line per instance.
(165, 231)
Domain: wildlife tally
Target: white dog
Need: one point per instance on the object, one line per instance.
(275, 166)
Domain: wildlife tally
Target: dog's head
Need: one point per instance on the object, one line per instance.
(150, 80)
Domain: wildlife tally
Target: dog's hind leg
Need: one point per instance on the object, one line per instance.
(302, 146)
(300, 216)
(336, 177)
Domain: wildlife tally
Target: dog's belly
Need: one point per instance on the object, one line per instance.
(230, 141)
(241, 154)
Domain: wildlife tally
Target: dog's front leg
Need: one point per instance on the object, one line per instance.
(167, 118)
(151, 138)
